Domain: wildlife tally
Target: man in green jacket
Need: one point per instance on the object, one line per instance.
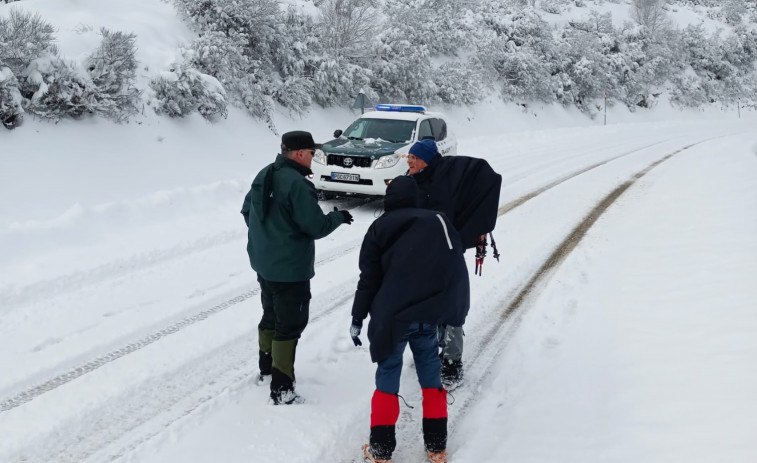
(284, 220)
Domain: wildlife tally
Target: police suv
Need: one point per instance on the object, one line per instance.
(373, 149)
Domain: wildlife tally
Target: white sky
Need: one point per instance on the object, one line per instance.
(121, 246)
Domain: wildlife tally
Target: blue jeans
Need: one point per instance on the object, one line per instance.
(425, 347)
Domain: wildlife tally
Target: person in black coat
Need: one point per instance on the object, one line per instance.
(412, 279)
(467, 190)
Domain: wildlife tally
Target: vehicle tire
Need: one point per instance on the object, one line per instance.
(325, 195)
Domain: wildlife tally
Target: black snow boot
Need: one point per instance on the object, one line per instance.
(452, 374)
(435, 434)
(265, 361)
(282, 389)
(382, 442)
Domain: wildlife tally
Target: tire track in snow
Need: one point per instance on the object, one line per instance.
(485, 350)
(48, 385)
(489, 346)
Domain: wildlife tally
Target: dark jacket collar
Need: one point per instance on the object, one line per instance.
(425, 174)
(283, 161)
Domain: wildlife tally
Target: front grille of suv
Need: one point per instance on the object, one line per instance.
(354, 161)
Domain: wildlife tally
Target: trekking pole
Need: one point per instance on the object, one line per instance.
(480, 254)
(495, 253)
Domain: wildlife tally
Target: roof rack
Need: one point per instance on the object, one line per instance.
(400, 108)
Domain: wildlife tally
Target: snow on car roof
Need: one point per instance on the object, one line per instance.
(396, 115)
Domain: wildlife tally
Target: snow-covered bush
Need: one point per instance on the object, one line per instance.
(10, 98)
(338, 81)
(734, 11)
(245, 79)
(24, 37)
(554, 6)
(112, 68)
(252, 23)
(586, 66)
(724, 67)
(293, 93)
(442, 26)
(184, 90)
(402, 70)
(58, 89)
(255, 97)
(459, 83)
(650, 58)
(518, 50)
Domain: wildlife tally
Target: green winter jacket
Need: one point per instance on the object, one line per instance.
(284, 220)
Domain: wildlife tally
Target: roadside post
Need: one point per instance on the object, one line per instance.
(362, 102)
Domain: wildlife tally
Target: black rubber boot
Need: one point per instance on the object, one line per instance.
(383, 442)
(265, 361)
(282, 389)
(435, 434)
(452, 374)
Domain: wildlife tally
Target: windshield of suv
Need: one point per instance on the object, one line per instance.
(386, 129)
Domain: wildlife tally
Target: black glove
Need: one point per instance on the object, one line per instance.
(355, 328)
(346, 216)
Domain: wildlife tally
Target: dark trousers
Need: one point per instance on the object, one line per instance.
(425, 347)
(286, 308)
(385, 408)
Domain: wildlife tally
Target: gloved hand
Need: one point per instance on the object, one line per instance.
(346, 216)
(355, 328)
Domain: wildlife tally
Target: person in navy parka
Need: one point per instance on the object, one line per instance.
(467, 190)
(412, 279)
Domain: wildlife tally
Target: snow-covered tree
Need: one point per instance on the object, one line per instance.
(402, 70)
(588, 62)
(460, 82)
(650, 59)
(184, 90)
(112, 68)
(250, 22)
(516, 46)
(442, 26)
(650, 14)
(339, 81)
(24, 37)
(349, 27)
(734, 11)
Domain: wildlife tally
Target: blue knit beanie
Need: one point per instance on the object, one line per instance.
(425, 149)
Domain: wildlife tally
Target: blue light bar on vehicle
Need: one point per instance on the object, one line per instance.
(400, 108)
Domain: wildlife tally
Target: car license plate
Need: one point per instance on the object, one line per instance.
(345, 177)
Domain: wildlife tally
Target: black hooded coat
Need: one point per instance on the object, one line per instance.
(466, 189)
(411, 270)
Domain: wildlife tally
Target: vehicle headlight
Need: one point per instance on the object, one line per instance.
(390, 160)
(320, 157)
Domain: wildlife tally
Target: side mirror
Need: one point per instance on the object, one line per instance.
(337, 133)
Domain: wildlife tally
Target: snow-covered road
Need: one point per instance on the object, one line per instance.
(127, 329)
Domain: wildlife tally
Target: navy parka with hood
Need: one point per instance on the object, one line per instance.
(466, 189)
(411, 270)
